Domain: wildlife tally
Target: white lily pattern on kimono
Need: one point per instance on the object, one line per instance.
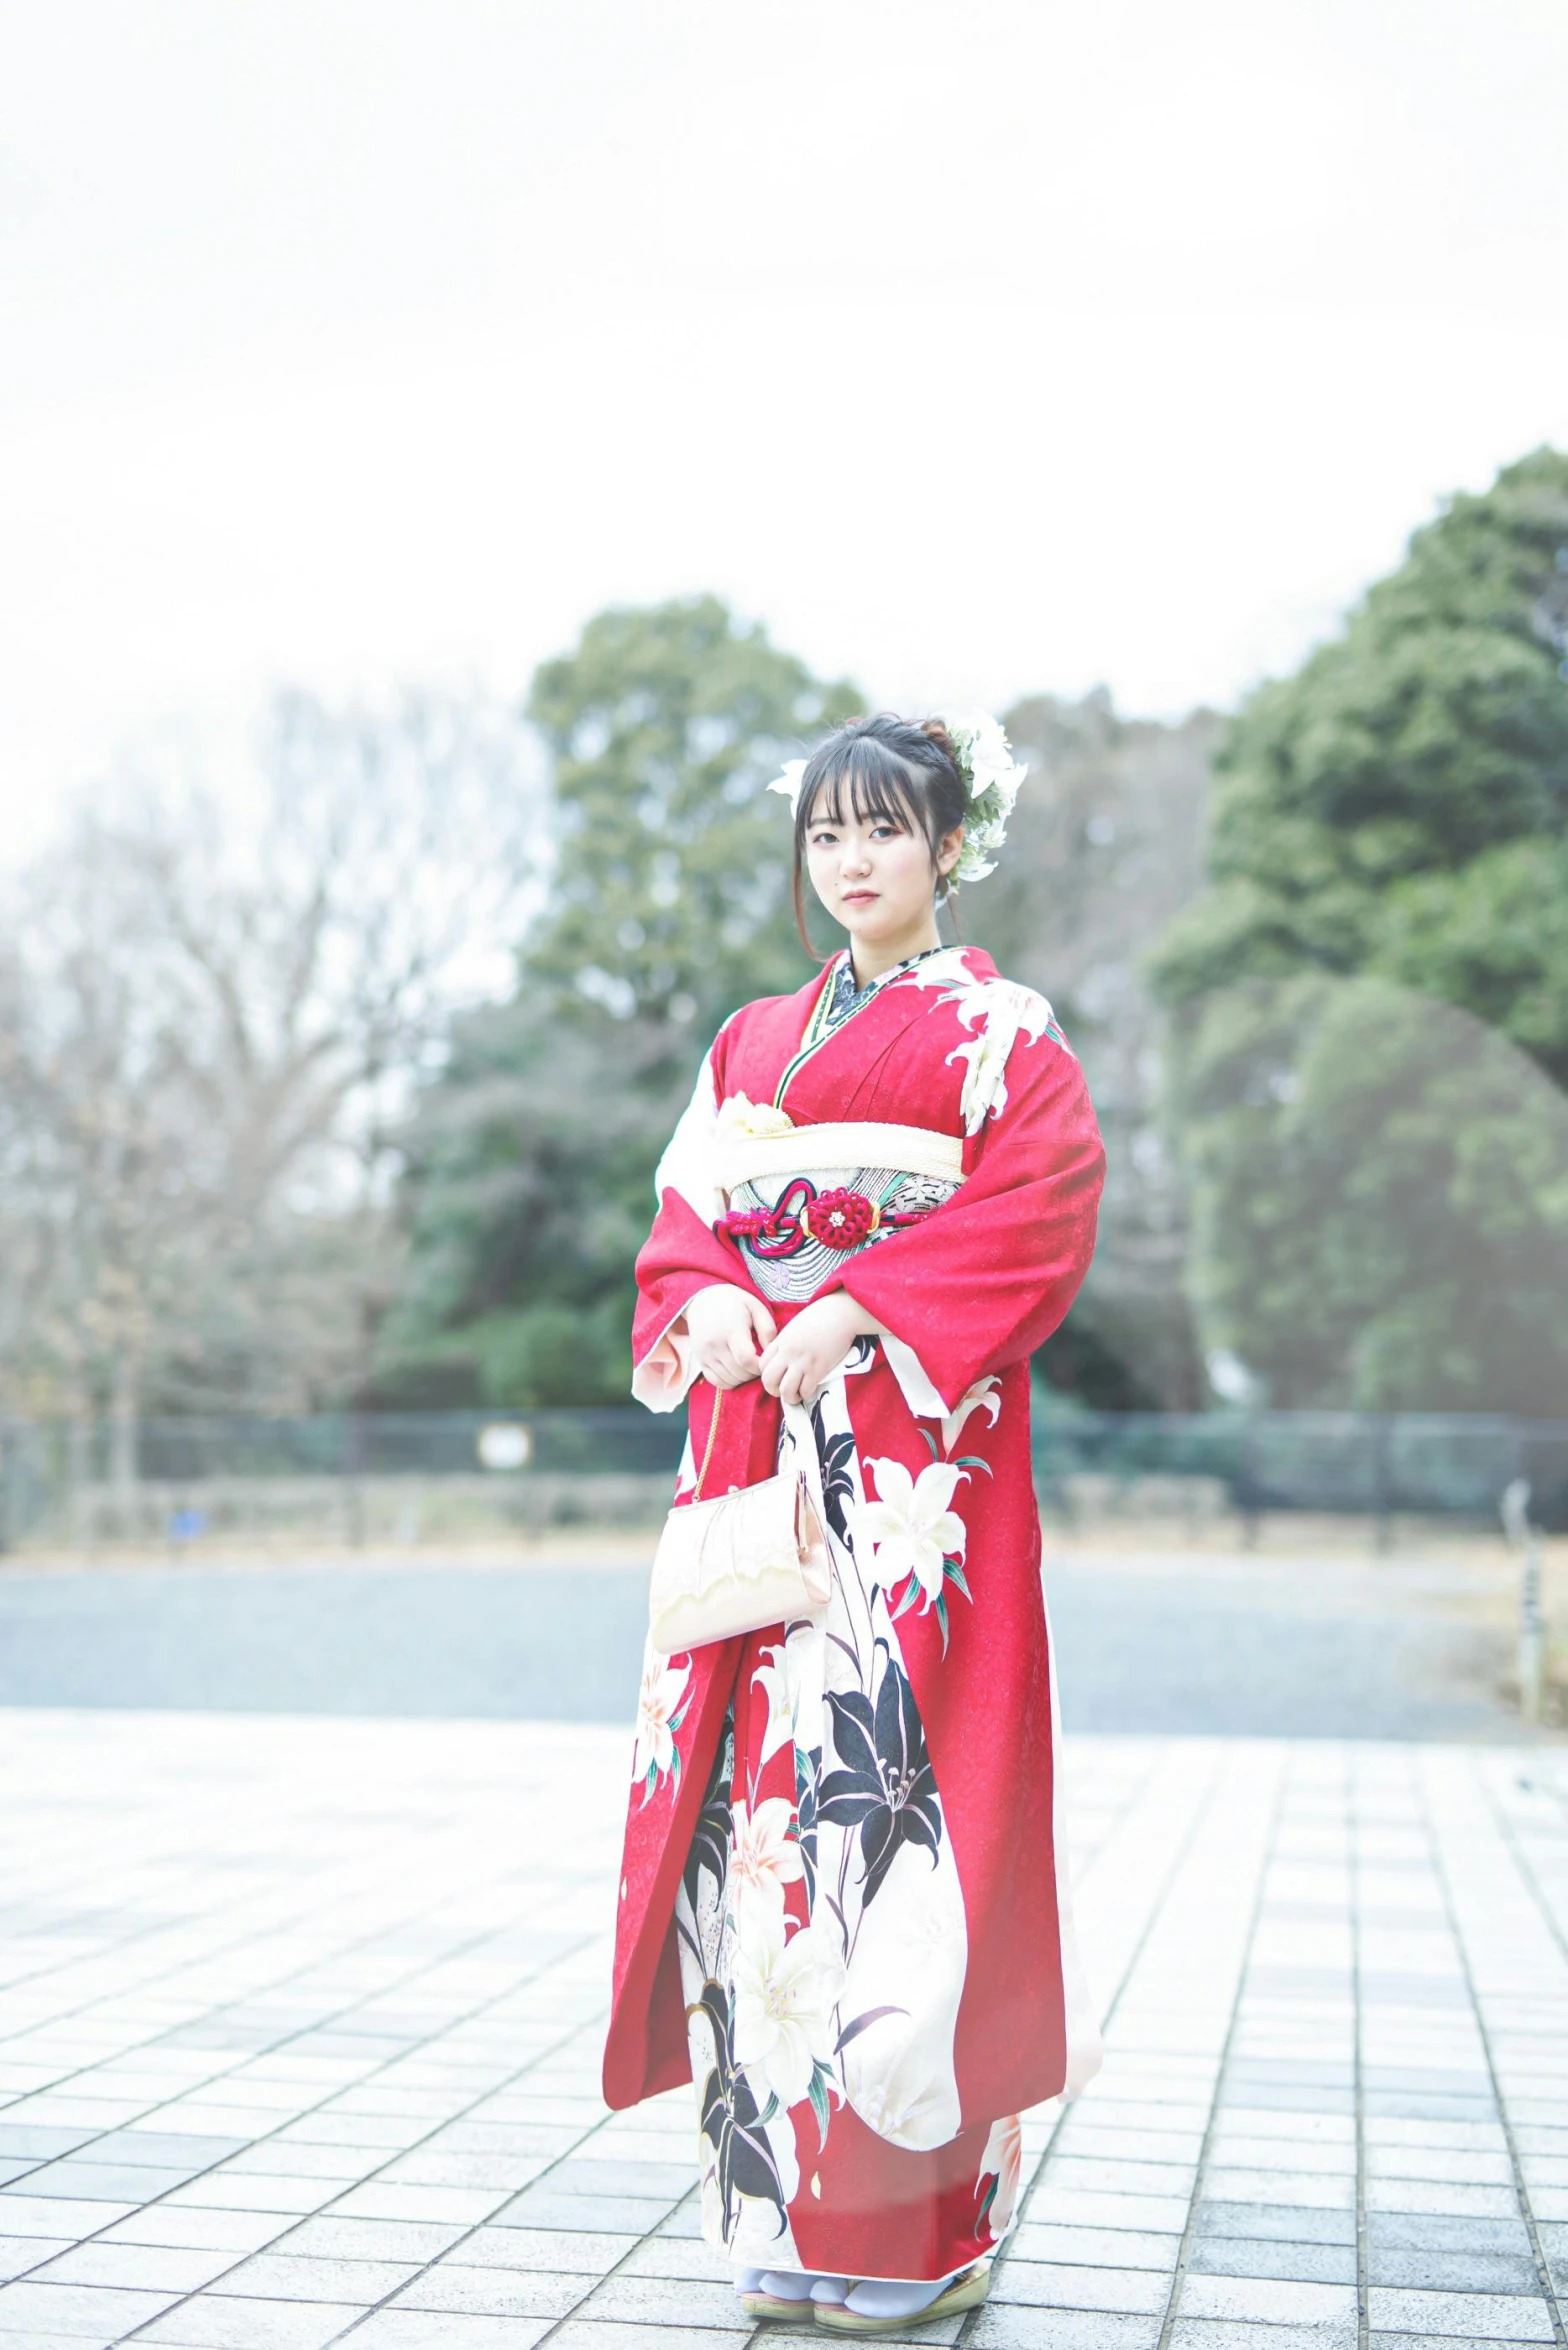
(1003, 1009)
(660, 1712)
(860, 2004)
(913, 1536)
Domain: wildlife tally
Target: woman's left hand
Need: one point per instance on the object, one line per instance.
(809, 1348)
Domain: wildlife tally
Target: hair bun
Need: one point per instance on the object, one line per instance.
(936, 730)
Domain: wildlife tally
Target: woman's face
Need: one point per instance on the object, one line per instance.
(874, 876)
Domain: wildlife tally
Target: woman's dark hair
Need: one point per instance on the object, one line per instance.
(887, 771)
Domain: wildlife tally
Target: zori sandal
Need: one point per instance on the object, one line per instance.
(965, 2292)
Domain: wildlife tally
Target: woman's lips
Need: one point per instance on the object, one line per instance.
(859, 897)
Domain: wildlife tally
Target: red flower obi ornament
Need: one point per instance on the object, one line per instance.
(837, 1219)
(841, 1219)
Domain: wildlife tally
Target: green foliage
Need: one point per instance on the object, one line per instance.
(670, 893)
(530, 1160)
(1379, 1181)
(1381, 1200)
(1401, 804)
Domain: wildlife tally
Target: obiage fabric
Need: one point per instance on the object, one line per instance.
(843, 1910)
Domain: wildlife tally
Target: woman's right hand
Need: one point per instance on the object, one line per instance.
(728, 1328)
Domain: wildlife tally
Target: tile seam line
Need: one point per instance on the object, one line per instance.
(1184, 2249)
(266, 2138)
(281, 1982)
(1199, 1811)
(301, 2219)
(222, 1948)
(1521, 2190)
(1509, 1836)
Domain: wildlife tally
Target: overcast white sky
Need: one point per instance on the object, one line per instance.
(976, 347)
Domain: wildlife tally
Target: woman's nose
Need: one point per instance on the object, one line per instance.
(855, 859)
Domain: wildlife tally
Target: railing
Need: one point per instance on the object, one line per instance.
(1377, 1465)
(451, 1476)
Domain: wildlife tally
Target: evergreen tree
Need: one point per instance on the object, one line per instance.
(530, 1161)
(1400, 805)
(1380, 1182)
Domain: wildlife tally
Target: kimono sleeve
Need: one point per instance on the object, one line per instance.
(986, 1278)
(682, 1254)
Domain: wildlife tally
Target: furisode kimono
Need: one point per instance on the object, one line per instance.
(843, 1910)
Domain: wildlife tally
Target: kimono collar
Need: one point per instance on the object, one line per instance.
(845, 997)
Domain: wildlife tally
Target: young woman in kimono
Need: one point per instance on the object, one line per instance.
(843, 1909)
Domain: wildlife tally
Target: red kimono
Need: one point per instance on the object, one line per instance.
(842, 1908)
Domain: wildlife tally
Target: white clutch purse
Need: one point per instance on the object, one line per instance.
(748, 1558)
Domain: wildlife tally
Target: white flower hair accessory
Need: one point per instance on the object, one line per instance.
(991, 778)
(789, 781)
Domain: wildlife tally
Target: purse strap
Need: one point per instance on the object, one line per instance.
(797, 1422)
(713, 1430)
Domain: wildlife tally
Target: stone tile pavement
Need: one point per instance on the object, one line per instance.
(299, 2033)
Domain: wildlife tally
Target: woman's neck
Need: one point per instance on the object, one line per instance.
(871, 961)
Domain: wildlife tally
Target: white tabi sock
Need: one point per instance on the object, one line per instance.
(789, 2284)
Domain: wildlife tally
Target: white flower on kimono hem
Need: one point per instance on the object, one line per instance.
(764, 1857)
(985, 1395)
(785, 1994)
(1002, 2162)
(774, 1677)
(663, 1685)
(911, 1525)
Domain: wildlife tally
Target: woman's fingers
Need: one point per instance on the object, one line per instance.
(764, 1328)
(789, 1370)
(725, 1365)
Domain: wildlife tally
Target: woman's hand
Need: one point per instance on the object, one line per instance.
(813, 1345)
(727, 1328)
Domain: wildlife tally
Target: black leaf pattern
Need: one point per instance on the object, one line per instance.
(808, 1769)
(710, 1841)
(835, 1454)
(732, 2123)
(885, 1785)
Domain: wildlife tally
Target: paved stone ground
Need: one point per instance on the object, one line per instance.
(300, 2024)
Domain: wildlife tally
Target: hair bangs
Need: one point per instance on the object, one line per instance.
(864, 779)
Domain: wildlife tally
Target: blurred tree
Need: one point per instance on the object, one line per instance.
(669, 894)
(1401, 804)
(1397, 810)
(1380, 1199)
(530, 1161)
(1105, 846)
(207, 1019)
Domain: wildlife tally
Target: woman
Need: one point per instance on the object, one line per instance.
(842, 1910)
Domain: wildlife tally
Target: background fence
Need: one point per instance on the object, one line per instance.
(421, 1477)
